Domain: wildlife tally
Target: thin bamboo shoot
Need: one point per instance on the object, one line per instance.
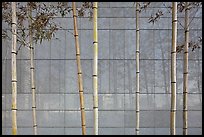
(79, 69)
(185, 71)
(173, 70)
(95, 67)
(13, 67)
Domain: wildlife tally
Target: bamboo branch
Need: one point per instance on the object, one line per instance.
(13, 67)
(79, 69)
(95, 67)
(173, 70)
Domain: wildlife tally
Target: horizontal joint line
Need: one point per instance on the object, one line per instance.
(95, 42)
(185, 73)
(174, 21)
(76, 35)
(33, 107)
(35, 125)
(95, 107)
(173, 82)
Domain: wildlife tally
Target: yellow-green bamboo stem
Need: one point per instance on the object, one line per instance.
(80, 80)
(173, 70)
(185, 71)
(13, 67)
(95, 68)
(137, 70)
(32, 72)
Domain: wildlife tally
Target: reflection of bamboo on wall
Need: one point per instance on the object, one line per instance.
(13, 67)
(95, 68)
(137, 69)
(32, 72)
(173, 70)
(80, 80)
(185, 71)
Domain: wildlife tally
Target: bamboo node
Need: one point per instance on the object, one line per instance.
(13, 23)
(14, 52)
(32, 68)
(74, 15)
(95, 42)
(186, 31)
(35, 125)
(31, 47)
(13, 80)
(174, 21)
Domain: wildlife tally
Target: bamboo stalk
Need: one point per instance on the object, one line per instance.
(80, 80)
(13, 67)
(185, 72)
(173, 70)
(32, 72)
(137, 69)
(95, 67)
